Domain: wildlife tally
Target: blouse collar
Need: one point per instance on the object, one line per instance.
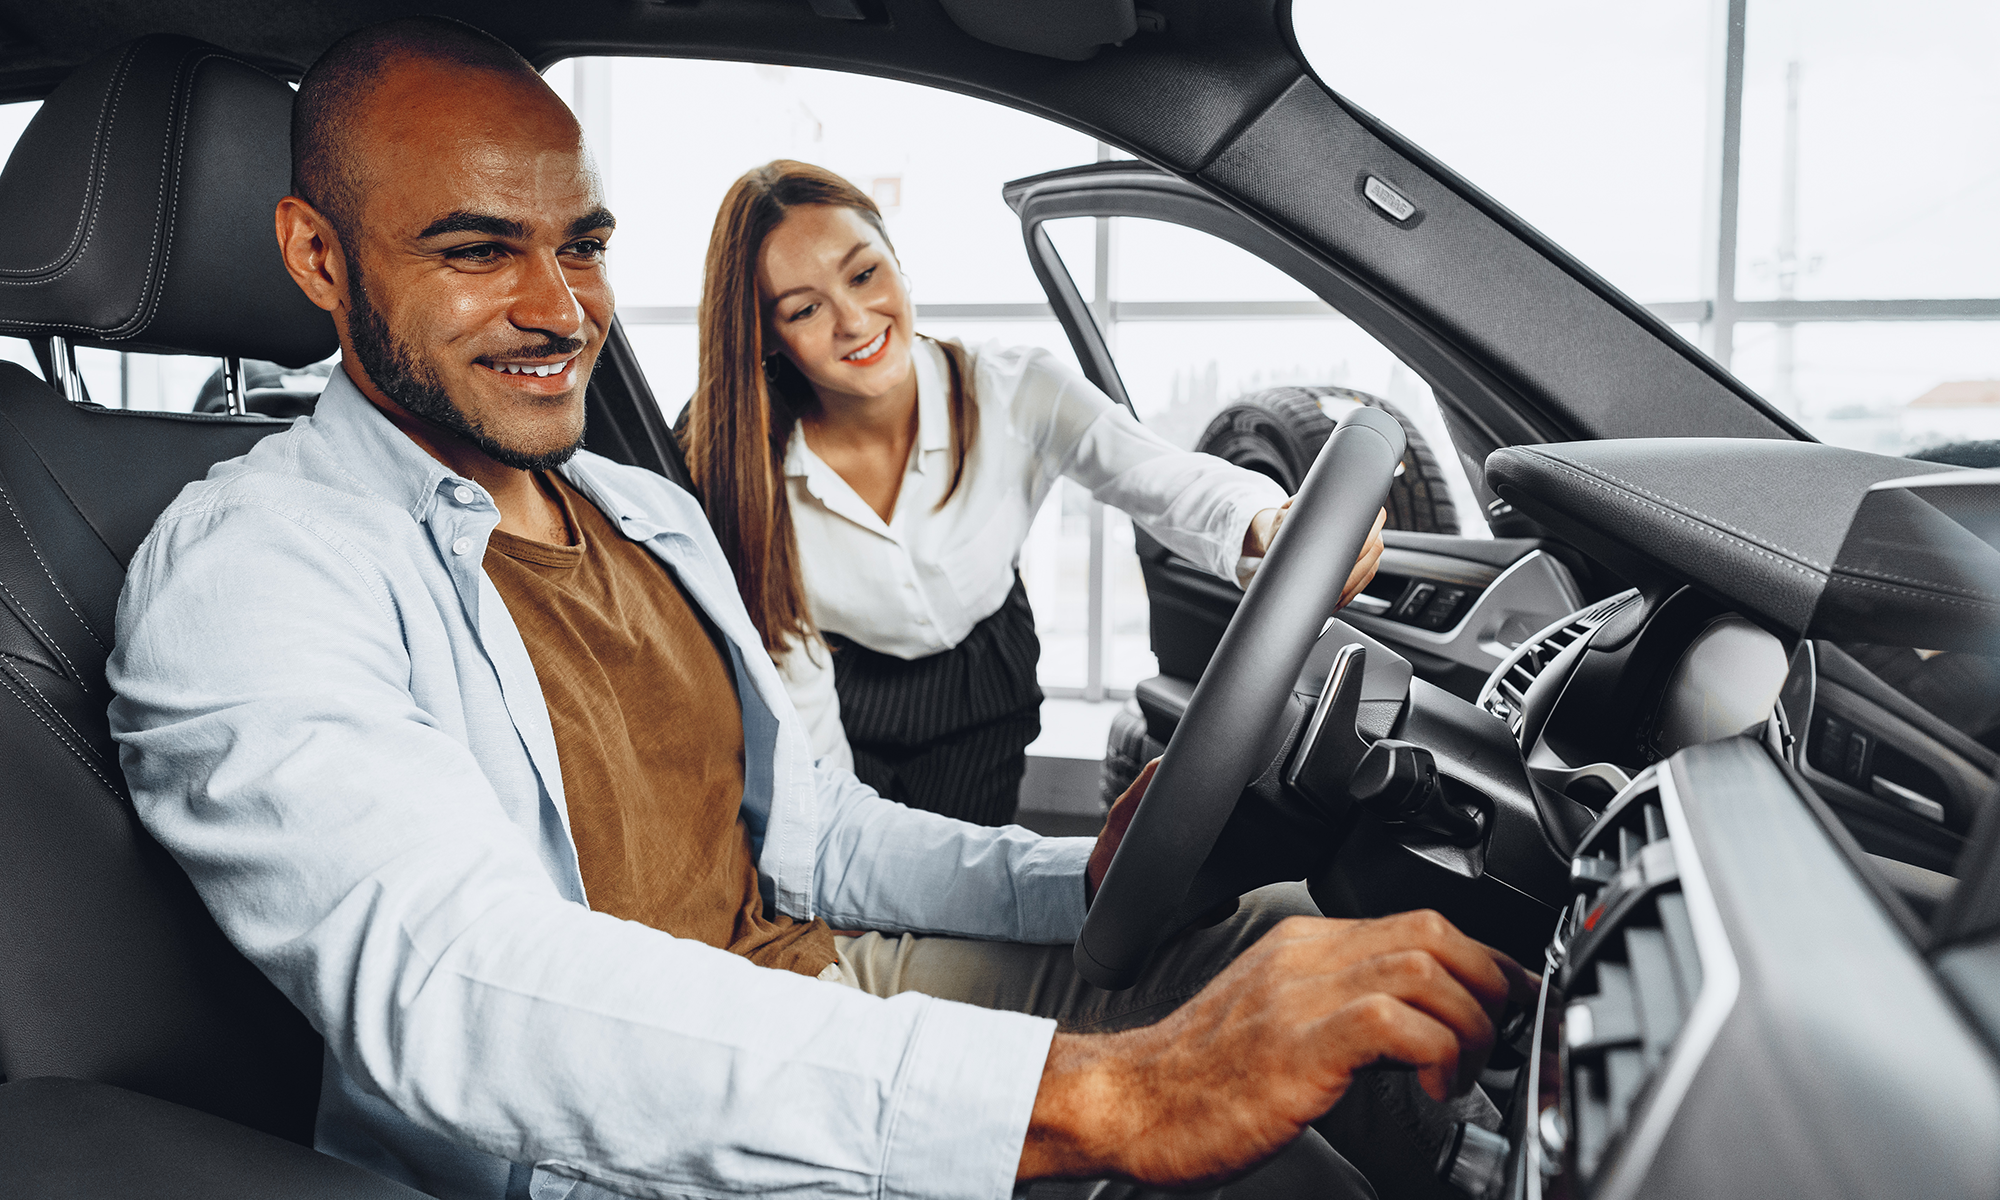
(933, 435)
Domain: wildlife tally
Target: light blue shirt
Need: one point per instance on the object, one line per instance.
(327, 715)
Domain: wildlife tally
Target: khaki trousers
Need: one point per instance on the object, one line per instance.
(1042, 980)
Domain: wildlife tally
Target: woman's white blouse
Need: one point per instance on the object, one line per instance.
(917, 584)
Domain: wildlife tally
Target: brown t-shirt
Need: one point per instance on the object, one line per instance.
(650, 734)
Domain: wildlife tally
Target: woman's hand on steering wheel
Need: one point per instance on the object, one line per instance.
(1264, 528)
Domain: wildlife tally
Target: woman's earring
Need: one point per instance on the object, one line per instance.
(770, 368)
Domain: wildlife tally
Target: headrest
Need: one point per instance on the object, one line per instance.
(138, 208)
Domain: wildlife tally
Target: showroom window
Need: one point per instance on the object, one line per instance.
(1805, 189)
(1194, 322)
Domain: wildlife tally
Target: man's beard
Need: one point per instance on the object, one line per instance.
(388, 361)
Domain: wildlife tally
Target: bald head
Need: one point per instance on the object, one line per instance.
(327, 150)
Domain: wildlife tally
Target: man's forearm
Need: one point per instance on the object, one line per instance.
(1079, 1097)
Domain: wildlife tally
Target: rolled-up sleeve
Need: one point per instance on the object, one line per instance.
(350, 845)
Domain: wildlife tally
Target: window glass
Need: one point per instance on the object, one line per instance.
(1587, 119)
(671, 135)
(14, 119)
(1198, 324)
(935, 161)
(1892, 387)
(1896, 157)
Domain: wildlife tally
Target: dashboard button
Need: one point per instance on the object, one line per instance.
(1444, 608)
(1857, 757)
(1414, 601)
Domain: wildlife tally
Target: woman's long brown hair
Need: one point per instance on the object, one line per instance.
(740, 420)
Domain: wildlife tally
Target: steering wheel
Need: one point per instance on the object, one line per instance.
(1223, 741)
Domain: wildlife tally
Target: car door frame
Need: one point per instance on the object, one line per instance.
(1476, 404)
(1483, 412)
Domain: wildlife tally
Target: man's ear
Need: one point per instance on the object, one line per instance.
(312, 253)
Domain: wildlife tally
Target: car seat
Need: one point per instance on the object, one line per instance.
(138, 205)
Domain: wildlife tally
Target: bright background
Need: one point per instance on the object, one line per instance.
(1590, 120)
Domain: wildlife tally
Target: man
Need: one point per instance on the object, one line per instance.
(468, 743)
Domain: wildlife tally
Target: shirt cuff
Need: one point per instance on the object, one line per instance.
(1048, 890)
(968, 1092)
(1235, 531)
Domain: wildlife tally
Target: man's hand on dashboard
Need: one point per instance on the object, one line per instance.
(1115, 824)
(1264, 527)
(1237, 1073)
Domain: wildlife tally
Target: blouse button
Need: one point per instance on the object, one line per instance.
(462, 546)
(463, 495)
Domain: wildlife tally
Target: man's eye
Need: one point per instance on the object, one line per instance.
(588, 248)
(862, 279)
(803, 313)
(478, 252)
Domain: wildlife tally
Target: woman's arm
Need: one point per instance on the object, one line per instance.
(1197, 505)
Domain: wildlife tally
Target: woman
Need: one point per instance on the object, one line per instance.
(872, 488)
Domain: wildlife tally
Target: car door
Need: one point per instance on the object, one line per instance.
(1452, 597)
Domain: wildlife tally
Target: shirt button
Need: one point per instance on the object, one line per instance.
(462, 546)
(463, 494)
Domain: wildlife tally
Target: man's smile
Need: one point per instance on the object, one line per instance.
(540, 374)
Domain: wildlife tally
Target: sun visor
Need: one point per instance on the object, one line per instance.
(1067, 29)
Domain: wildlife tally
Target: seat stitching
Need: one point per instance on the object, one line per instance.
(171, 197)
(53, 707)
(8, 498)
(88, 760)
(1711, 530)
(1687, 509)
(165, 209)
(29, 616)
(92, 185)
(62, 487)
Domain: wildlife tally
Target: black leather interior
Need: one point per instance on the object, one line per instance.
(64, 1139)
(110, 968)
(138, 209)
(1758, 523)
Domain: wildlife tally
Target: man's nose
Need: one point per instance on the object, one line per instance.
(544, 303)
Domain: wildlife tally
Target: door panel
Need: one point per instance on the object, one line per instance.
(1453, 606)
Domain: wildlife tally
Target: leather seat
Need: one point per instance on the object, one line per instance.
(138, 206)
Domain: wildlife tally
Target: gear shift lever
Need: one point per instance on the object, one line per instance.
(1398, 782)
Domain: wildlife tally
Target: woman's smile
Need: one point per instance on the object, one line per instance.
(869, 354)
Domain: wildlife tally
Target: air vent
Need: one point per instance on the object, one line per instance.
(1630, 971)
(1507, 687)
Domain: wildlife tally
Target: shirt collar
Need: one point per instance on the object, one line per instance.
(933, 413)
(379, 456)
(933, 397)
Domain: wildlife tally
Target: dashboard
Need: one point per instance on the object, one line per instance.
(1737, 998)
(1733, 1008)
